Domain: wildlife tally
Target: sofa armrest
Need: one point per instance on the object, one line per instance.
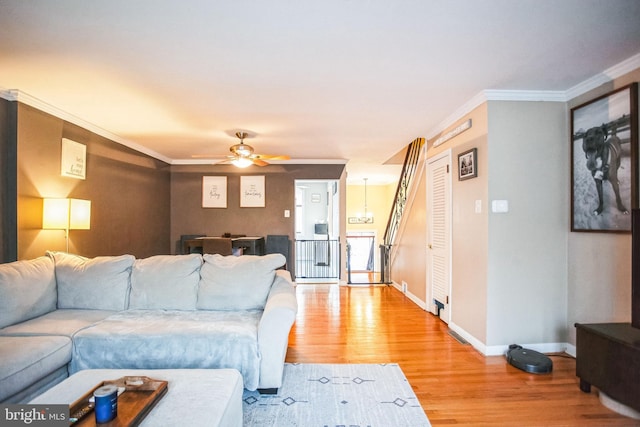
(273, 330)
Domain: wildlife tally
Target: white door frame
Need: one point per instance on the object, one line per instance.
(445, 314)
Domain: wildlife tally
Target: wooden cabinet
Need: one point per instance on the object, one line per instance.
(608, 357)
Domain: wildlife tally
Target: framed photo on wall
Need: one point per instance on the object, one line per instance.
(73, 159)
(214, 191)
(604, 161)
(468, 164)
(252, 192)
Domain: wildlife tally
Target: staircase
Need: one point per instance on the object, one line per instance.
(409, 169)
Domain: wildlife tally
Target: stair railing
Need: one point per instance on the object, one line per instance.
(397, 209)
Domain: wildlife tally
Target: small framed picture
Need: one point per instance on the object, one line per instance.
(252, 192)
(214, 191)
(468, 164)
(73, 159)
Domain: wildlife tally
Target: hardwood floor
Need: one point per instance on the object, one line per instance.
(454, 383)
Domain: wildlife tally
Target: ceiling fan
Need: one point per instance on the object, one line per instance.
(242, 155)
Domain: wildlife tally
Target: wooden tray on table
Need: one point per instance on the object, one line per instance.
(139, 396)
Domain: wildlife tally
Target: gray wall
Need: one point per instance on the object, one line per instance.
(527, 262)
(8, 183)
(189, 217)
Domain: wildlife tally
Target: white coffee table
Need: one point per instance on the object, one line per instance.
(195, 397)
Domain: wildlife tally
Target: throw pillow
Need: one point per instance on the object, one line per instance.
(27, 290)
(167, 282)
(100, 283)
(237, 282)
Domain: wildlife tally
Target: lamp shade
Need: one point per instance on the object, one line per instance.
(66, 214)
(79, 214)
(55, 214)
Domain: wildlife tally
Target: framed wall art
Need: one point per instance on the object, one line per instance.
(604, 161)
(73, 159)
(468, 164)
(252, 192)
(214, 191)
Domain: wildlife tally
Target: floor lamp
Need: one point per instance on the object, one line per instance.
(66, 214)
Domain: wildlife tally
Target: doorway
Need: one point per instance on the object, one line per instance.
(317, 231)
(361, 255)
(439, 235)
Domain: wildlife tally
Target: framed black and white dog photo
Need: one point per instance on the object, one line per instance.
(467, 164)
(604, 161)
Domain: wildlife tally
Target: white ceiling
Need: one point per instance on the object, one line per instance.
(334, 79)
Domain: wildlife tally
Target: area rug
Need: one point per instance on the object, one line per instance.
(331, 395)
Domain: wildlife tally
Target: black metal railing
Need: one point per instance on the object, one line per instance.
(317, 259)
(402, 192)
(409, 168)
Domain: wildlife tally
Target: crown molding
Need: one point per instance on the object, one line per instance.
(606, 76)
(497, 95)
(271, 162)
(525, 95)
(17, 95)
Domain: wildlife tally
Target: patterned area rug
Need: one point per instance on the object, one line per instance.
(328, 395)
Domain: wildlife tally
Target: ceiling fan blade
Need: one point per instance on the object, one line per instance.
(258, 162)
(271, 157)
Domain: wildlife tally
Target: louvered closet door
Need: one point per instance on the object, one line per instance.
(439, 232)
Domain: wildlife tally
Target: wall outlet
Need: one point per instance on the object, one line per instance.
(404, 287)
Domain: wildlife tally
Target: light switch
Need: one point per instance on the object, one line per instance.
(500, 206)
(478, 206)
(287, 213)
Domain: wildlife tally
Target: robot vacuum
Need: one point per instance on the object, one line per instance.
(529, 360)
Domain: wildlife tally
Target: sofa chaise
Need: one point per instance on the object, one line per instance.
(62, 313)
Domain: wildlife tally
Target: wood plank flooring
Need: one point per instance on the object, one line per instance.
(455, 384)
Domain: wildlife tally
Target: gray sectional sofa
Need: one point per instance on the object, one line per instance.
(62, 313)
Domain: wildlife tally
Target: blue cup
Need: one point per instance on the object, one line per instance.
(106, 401)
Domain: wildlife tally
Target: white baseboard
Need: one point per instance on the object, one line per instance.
(417, 301)
(501, 350)
(494, 350)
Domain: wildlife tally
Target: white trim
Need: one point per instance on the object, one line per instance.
(475, 343)
(463, 110)
(606, 76)
(16, 95)
(273, 162)
(411, 296)
(571, 350)
(501, 350)
(525, 95)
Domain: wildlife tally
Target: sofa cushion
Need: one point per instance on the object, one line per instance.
(26, 360)
(168, 282)
(64, 321)
(27, 290)
(100, 283)
(172, 339)
(236, 283)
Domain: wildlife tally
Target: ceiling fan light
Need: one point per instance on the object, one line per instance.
(242, 150)
(241, 162)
